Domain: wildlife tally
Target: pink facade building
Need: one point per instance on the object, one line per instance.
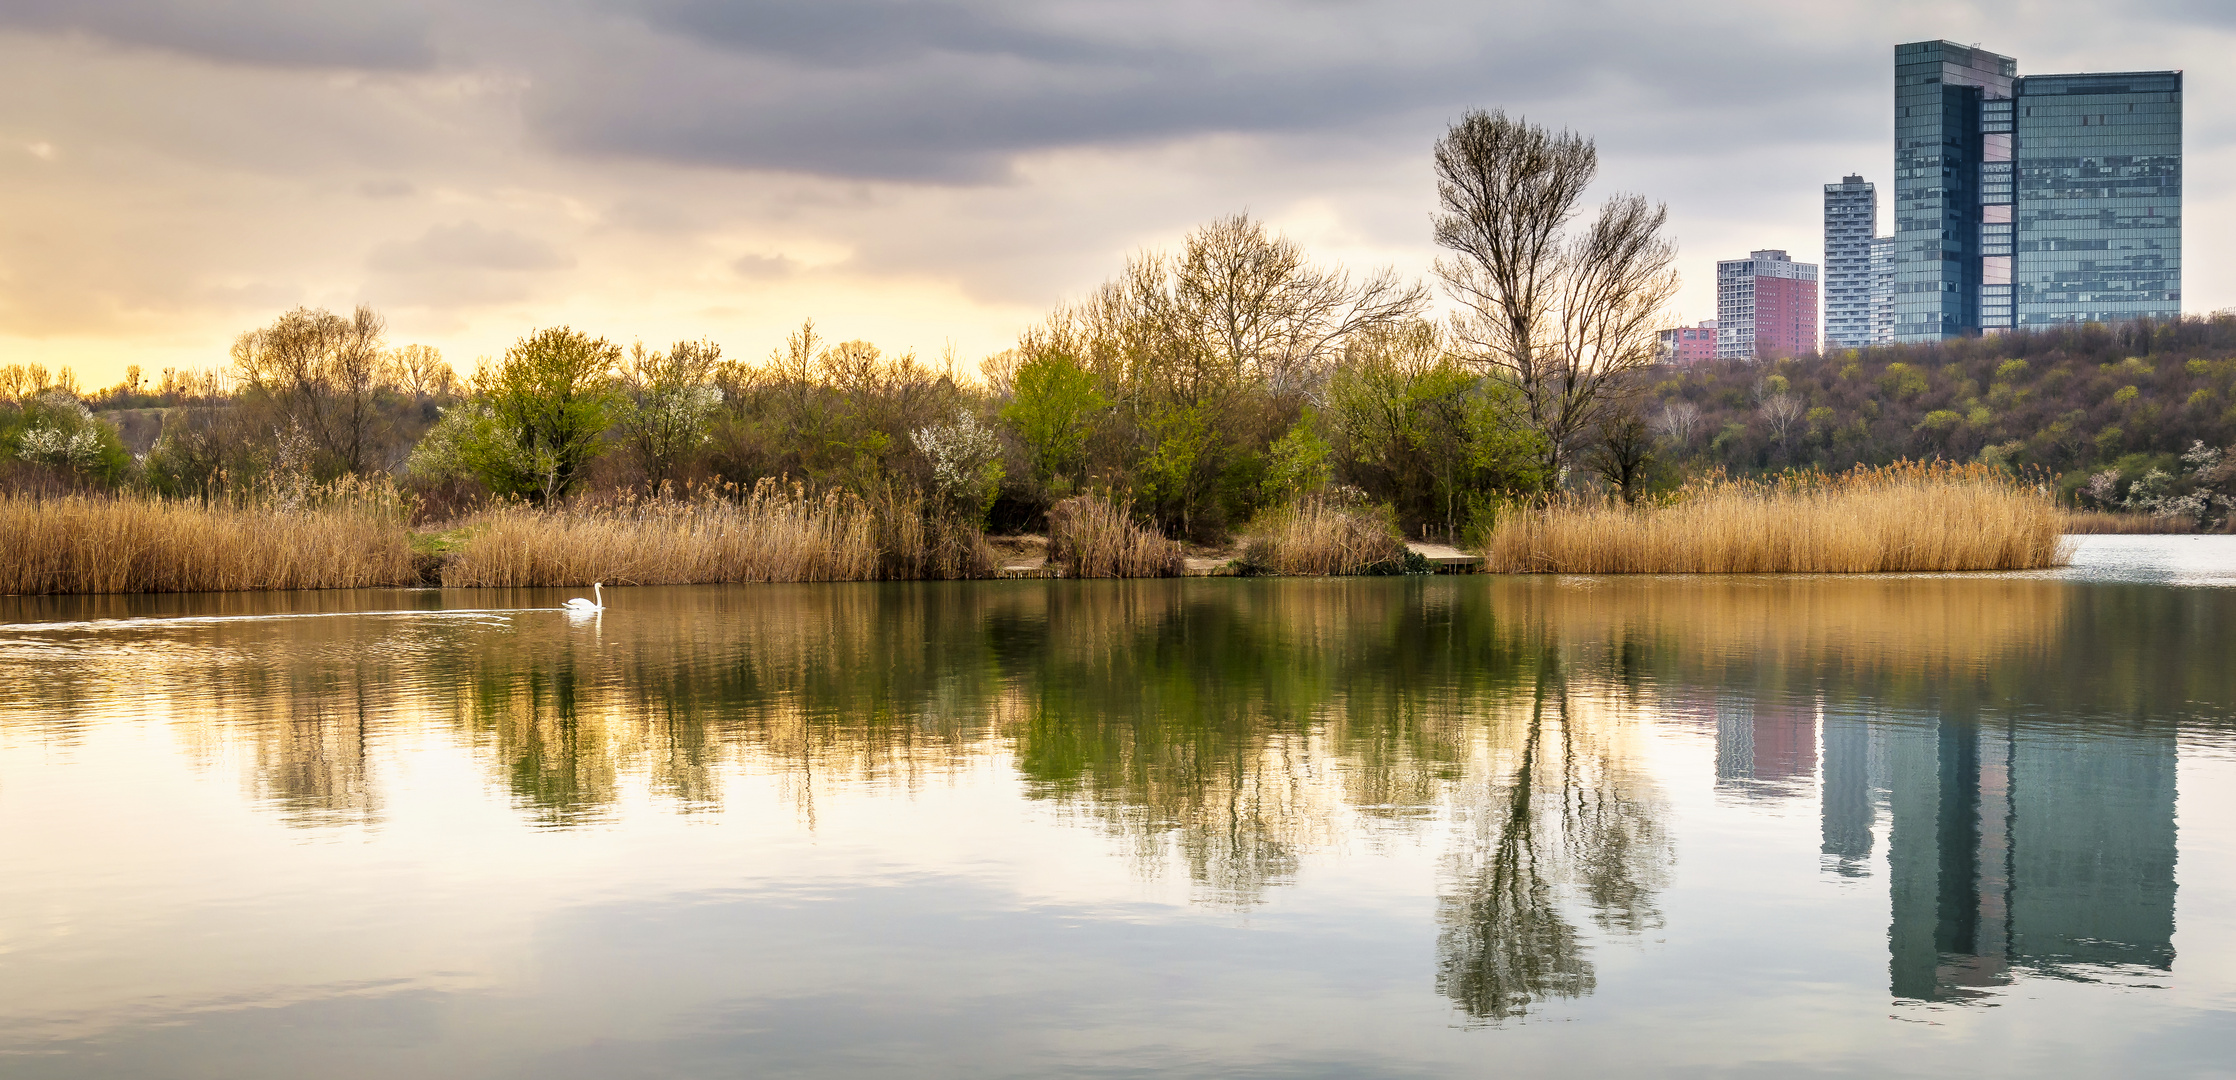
(1688, 344)
(1766, 307)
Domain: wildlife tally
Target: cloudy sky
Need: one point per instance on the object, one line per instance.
(927, 174)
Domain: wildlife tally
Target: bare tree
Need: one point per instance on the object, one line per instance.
(323, 372)
(1624, 452)
(419, 370)
(1252, 300)
(1782, 411)
(1568, 318)
(1677, 421)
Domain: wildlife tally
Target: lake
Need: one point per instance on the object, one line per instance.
(1467, 825)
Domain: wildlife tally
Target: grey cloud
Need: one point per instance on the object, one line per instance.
(955, 90)
(468, 246)
(283, 33)
(854, 33)
(946, 91)
(453, 266)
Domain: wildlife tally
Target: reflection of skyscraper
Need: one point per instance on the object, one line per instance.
(1765, 748)
(2025, 849)
(1850, 792)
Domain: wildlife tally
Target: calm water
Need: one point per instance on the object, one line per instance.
(1453, 826)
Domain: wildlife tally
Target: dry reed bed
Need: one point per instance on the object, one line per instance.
(1317, 538)
(1906, 517)
(774, 534)
(95, 544)
(1091, 537)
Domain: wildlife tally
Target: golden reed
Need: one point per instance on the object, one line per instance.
(1091, 537)
(1904, 517)
(775, 533)
(1318, 538)
(339, 536)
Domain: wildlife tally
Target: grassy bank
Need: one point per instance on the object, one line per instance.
(1900, 518)
(334, 538)
(1870, 520)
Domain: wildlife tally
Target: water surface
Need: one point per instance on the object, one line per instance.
(1379, 827)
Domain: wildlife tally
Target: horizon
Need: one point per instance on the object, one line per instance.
(930, 181)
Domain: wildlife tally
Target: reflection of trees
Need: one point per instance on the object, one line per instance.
(1226, 729)
(1231, 727)
(1566, 813)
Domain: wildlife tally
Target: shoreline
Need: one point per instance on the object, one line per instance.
(1043, 573)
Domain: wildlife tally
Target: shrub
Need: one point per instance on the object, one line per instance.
(1319, 537)
(1090, 536)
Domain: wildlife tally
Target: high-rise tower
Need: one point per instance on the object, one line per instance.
(1939, 150)
(1766, 307)
(2099, 197)
(1851, 220)
(2031, 201)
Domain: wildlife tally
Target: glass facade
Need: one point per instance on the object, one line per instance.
(1939, 90)
(1851, 220)
(2098, 229)
(2027, 202)
(1882, 290)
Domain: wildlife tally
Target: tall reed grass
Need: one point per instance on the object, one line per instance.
(1091, 537)
(774, 533)
(287, 535)
(1905, 517)
(1317, 537)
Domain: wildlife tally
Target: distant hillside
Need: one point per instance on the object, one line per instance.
(2072, 401)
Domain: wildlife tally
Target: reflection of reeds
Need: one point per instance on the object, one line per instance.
(1886, 624)
(1316, 537)
(1091, 537)
(2090, 522)
(339, 536)
(1898, 518)
(773, 534)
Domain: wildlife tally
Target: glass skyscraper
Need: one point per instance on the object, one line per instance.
(2099, 198)
(1939, 150)
(2031, 201)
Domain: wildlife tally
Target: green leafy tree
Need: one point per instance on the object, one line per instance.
(1054, 405)
(55, 429)
(1431, 435)
(535, 419)
(670, 402)
(1298, 462)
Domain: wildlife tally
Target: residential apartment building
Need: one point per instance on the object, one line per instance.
(1882, 290)
(1688, 344)
(1766, 307)
(1851, 224)
(2031, 201)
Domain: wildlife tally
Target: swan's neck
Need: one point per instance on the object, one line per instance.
(598, 589)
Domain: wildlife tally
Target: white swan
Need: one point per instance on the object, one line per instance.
(580, 604)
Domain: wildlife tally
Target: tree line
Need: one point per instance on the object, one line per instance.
(1199, 386)
(2096, 409)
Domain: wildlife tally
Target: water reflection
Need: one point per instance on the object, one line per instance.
(1570, 813)
(2003, 751)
